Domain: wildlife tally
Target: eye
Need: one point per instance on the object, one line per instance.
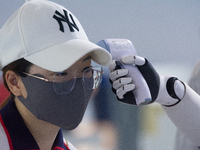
(61, 73)
(61, 77)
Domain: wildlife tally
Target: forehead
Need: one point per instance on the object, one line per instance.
(78, 65)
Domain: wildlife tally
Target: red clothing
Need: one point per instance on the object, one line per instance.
(16, 136)
(4, 93)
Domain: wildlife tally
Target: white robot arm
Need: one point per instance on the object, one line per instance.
(136, 82)
(186, 115)
(179, 101)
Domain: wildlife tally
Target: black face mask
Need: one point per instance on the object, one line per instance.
(65, 111)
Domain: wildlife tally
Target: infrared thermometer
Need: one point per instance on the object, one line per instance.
(120, 48)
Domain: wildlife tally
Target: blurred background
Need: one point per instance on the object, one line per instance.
(167, 32)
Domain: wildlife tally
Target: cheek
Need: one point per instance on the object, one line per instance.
(24, 92)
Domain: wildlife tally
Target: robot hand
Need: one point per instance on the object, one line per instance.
(130, 89)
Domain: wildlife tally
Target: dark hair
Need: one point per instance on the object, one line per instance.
(18, 67)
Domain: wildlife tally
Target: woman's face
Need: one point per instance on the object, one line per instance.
(47, 102)
(74, 71)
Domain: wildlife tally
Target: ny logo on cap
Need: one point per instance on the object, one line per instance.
(59, 17)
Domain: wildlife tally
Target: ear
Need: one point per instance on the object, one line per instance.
(14, 83)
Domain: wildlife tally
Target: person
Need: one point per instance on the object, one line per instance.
(114, 118)
(178, 100)
(45, 57)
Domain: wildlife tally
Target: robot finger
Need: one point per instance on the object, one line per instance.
(121, 82)
(124, 89)
(118, 73)
(112, 65)
(134, 60)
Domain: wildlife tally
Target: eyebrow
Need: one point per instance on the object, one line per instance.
(87, 58)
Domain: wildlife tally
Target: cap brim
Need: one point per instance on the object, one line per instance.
(60, 57)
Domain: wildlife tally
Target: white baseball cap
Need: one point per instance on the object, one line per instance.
(48, 35)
